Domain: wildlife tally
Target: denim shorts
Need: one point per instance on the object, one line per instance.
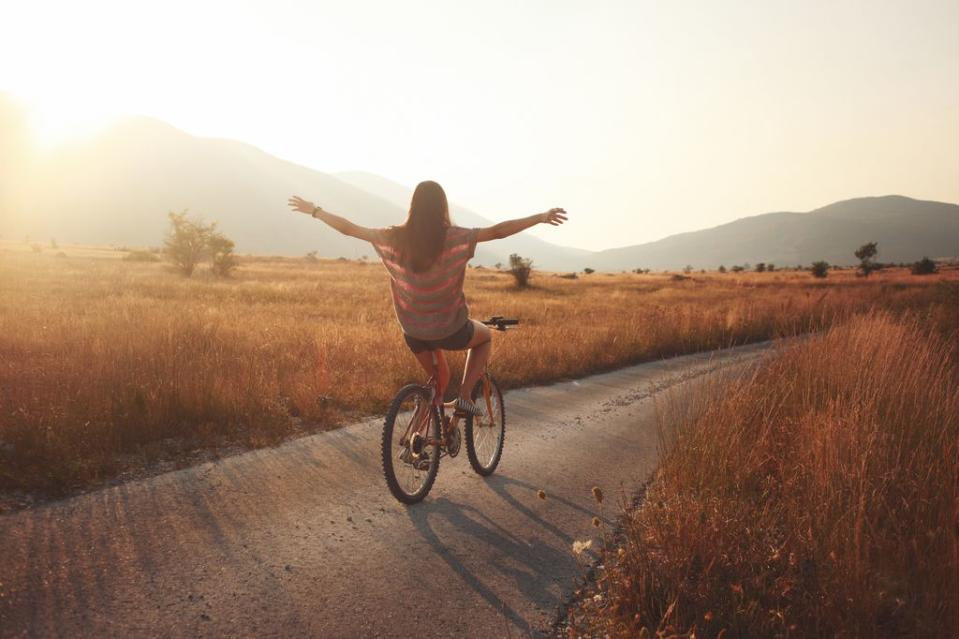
(455, 342)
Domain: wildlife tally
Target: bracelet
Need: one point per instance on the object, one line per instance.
(315, 209)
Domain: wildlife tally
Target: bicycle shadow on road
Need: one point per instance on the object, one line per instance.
(538, 568)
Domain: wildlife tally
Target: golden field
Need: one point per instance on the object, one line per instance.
(817, 497)
(106, 364)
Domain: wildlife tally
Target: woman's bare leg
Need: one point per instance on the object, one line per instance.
(480, 348)
(441, 371)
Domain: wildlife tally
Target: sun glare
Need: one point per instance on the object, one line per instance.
(55, 124)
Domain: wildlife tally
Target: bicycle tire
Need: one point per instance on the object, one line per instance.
(488, 468)
(389, 449)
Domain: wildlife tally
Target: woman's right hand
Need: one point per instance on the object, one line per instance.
(299, 204)
(554, 217)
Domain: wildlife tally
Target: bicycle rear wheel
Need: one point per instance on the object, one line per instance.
(486, 432)
(410, 463)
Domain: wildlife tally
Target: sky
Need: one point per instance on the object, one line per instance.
(642, 119)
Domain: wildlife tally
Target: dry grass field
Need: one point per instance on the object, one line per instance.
(818, 497)
(107, 364)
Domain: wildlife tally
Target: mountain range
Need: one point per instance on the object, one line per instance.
(117, 188)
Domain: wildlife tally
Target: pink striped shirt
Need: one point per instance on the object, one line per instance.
(430, 305)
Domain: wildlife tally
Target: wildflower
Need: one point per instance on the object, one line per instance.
(579, 547)
(597, 494)
(541, 494)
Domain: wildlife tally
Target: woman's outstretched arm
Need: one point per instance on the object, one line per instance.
(554, 217)
(338, 222)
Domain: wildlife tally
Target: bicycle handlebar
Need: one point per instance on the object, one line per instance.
(500, 323)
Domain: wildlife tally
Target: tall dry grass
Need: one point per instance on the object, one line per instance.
(817, 497)
(106, 363)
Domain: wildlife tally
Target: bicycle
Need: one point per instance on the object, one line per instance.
(417, 432)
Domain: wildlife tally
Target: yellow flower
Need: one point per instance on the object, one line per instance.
(597, 494)
(579, 547)
(596, 522)
(541, 494)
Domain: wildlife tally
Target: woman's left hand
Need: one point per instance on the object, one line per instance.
(299, 204)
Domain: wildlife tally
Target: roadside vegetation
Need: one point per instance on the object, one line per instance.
(107, 364)
(819, 496)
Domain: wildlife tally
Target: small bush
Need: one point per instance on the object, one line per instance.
(569, 276)
(761, 267)
(865, 255)
(722, 269)
(819, 269)
(925, 266)
(186, 242)
(521, 269)
(312, 257)
(189, 241)
(738, 269)
(221, 252)
(588, 271)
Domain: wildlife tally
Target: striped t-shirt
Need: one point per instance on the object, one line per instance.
(430, 305)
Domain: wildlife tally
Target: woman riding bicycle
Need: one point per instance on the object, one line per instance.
(426, 259)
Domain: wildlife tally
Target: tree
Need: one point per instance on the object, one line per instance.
(738, 269)
(521, 269)
(820, 269)
(761, 267)
(722, 269)
(220, 248)
(189, 241)
(925, 266)
(186, 242)
(588, 271)
(864, 254)
(770, 267)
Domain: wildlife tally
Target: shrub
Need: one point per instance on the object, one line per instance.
(189, 241)
(925, 266)
(569, 276)
(738, 269)
(221, 252)
(722, 269)
(761, 267)
(312, 256)
(186, 242)
(864, 254)
(589, 271)
(520, 268)
(819, 269)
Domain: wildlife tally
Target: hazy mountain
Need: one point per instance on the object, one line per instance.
(118, 187)
(906, 229)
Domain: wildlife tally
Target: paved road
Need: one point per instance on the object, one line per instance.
(305, 540)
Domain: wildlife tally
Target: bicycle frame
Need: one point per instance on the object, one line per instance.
(420, 423)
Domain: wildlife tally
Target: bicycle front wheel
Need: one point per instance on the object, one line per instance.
(486, 432)
(411, 456)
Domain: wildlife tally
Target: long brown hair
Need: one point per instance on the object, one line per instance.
(421, 238)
